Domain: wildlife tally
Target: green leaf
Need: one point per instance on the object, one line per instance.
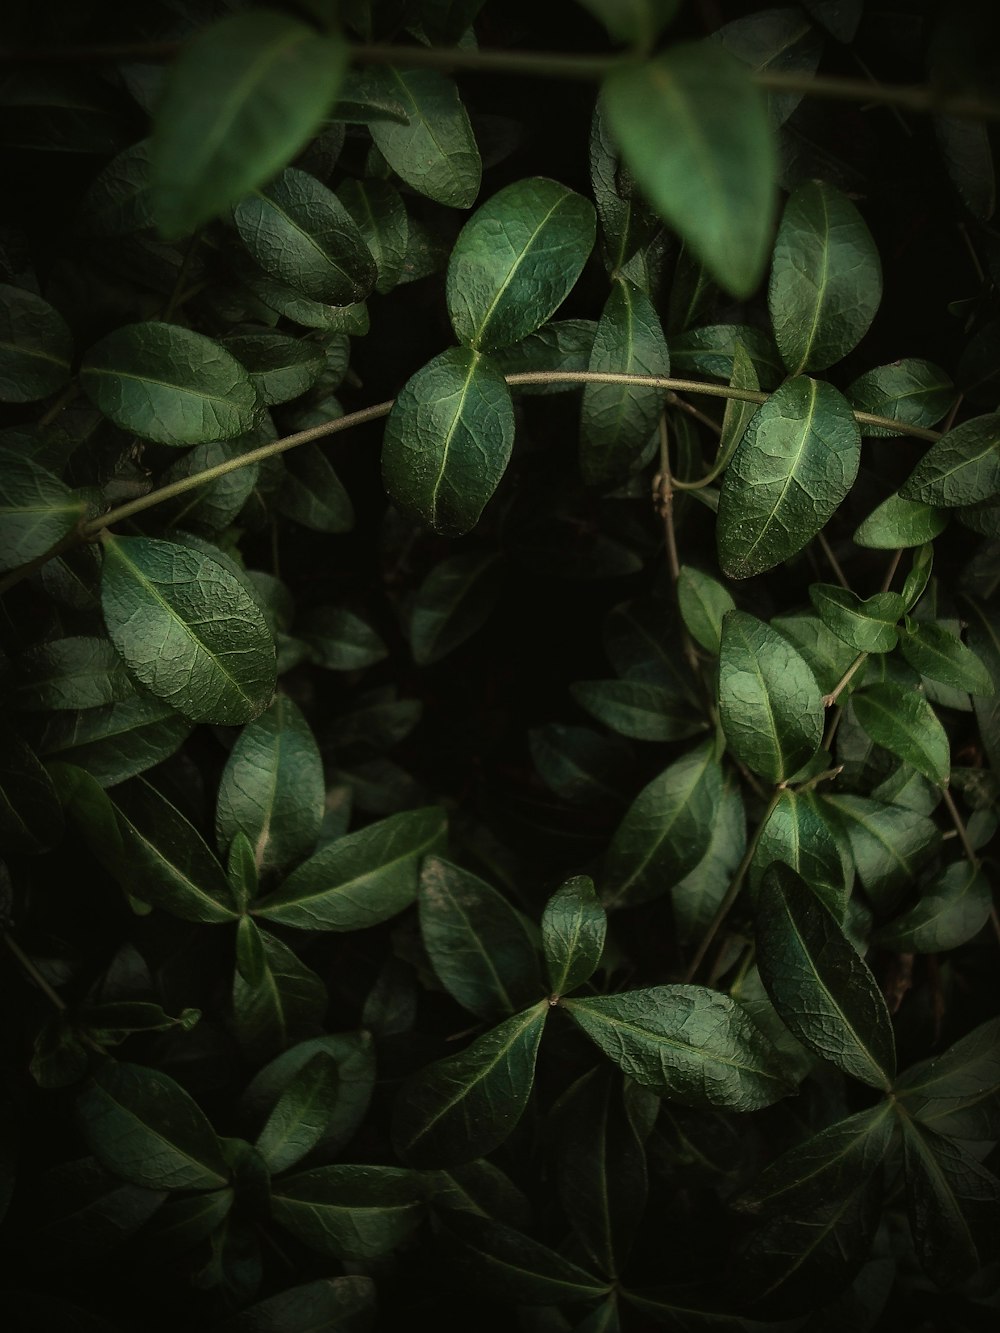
(361, 879)
(213, 505)
(617, 420)
(168, 384)
(633, 708)
(466, 1105)
(957, 1094)
(952, 909)
(505, 1265)
(117, 741)
(187, 629)
(686, 1043)
(797, 461)
(36, 510)
(350, 1212)
(336, 1305)
(312, 494)
(934, 652)
(436, 151)
(818, 983)
(242, 99)
(898, 522)
(627, 222)
(280, 367)
(89, 1212)
(339, 640)
(272, 788)
(448, 440)
(867, 626)
(380, 215)
(961, 468)
(516, 260)
(799, 834)
(477, 942)
(713, 351)
(780, 41)
(889, 843)
(916, 581)
(694, 131)
(30, 814)
(144, 1127)
(582, 766)
(697, 896)
(573, 928)
(453, 602)
(904, 723)
(36, 347)
(298, 1122)
(241, 872)
(562, 345)
(636, 22)
(826, 279)
(665, 830)
(770, 706)
(117, 202)
(276, 998)
(915, 392)
(703, 603)
(299, 232)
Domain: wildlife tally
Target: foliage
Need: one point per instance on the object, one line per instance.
(440, 884)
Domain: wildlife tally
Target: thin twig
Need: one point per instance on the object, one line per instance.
(960, 829)
(34, 973)
(675, 401)
(832, 560)
(890, 573)
(844, 681)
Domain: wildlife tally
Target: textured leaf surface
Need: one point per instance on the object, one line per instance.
(914, 392)
(36, 510)
(904, 723)
(435, 151)
(798, 834)
(117, 741)
(952, 909)
(634, 708)
(573, 929)
(961, 468)
(867, 626)
(935, 652)
(298, 1122)
(36, 347)
(898, 522)
(351, 1212)
(703, 603)
(889, 843)
(957, 1094)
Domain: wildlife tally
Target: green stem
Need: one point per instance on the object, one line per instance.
(960, 829)
(832, 560)
(34, 973)
(845, 680)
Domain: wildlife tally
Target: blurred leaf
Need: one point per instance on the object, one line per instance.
(782, 41)
(637, 22)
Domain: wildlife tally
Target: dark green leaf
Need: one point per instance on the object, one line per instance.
(118, 200)
(336, 1305)
(380, 215)
(451, 604)
(213, 505)
(703, 603)
(505, 1265)
(904, 723)
(339, 640)
(916, 581)
(639, 710)
(466, 1105)
(798, 833)
(839, 17)
(818, 983)
(952, 909)
(888, 842)
(627, 222)
(144, 1127)
(933, 651)
(435, 151)
(187, 629)
(501, 291)
(272, 788)
(243, 98)
(117, 741)
(796, 462)
(582, 766)
(686, 1043)
(168, 384)
(562, 345)
(299, 1120)
(694, 131)
(350, 1212)
(361, 879)
(448, 441)
(696, 897)
(780, 41)
(88, 1212)
(712, 351)
(915, 392)
(984, 640)
(280, 367)
(312, 494)
(573, 929)
(867, 626)
(636, 22)
(898, 522)
(30, 814)
(36, 510)
(961, 468)
(36, 347)
(276, 998)
(957, 1094)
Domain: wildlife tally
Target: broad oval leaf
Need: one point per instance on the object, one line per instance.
(298, 231)
(703, 603)
(452, 603)
(889, 843)
(37, 510)
(464, 1106)
(694, 132)
(769, 703)
(958, 1093)
(380, 216)
(573, 928)
(144, 1127)
(80, 671)
(686, 1043)
(951, 910)
(36, 347)
(516, 260)
(913, 392)
(936, 653)
(448, 440)
(242, 99)
(818, 982)
(117, 741)
(797, 461)
(299, 1120)
(361, 879)
(280, 367)
(634, 708)
(900, 523)
(799, 833)
(867, 626)
(351, 1212)
(435, 151)
(826, 279)
(961, 468)
(168, 384)
(187, 629)
(903, 722)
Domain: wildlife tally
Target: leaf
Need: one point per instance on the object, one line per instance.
(826, 279)
(796, 462)
(299, 1120)
(713, 351)
(144, 1127)
(573, 928)
(350, 1212)
(697, 896)
(516, 260)
(505, 1265)
(628, 224)
(703, 603)
(798, 834)
(117, 202)
(272, 788)
(168, 384)
(686, 1043)
(448, 440)
(187, 629)
(867, 626)
(904, 723)
(818, 983)
(241, 100)
(466, 1105)
(912, 391)
(840, 17)
(299, 232)
(280, 367)
(633, 708)
(694, 132)
(617, 420)
(957, 1094)
(918, 578)
(380, 215)
(213, 505)
(336, 1305)
(561, 345)
(665, 830)
(36, 347)
(780, 41)
(888, 843)
(951, 910)
(361, 879)
(339, 640)
(770, 706)
(453, 602)
(88, 1211)
(898, 522)
(968, 157)
(276, 998)
(37, 510)
(312, 494)
(435, 151)
(934, 652)
(635, 22)
(961, 468)
(30, 814)
(582, 766)
(117, 741)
